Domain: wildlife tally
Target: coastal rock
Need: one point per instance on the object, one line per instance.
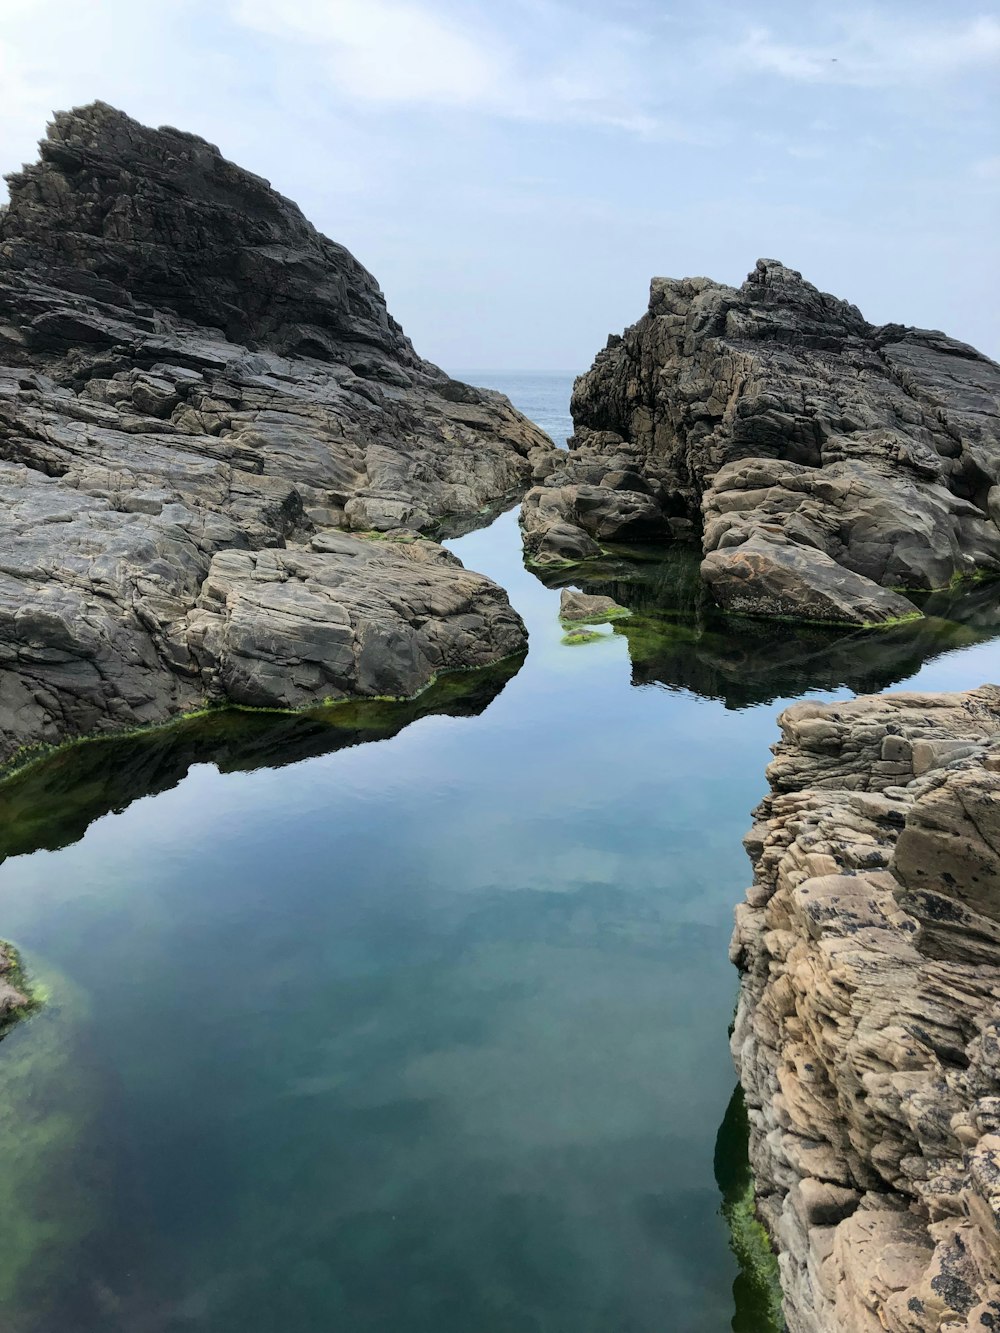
(775, 416)
(589, 608)
(867, 1035)
(763, 577)
(283, 628)
(190, 371)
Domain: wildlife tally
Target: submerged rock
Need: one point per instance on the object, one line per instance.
(792, 436)
(194, 380)
(15, 997)
(867, 1035)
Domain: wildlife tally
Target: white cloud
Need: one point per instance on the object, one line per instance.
(397, 53)
(384, 50)
(869, 50)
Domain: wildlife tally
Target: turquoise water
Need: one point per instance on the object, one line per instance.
(417, 1021)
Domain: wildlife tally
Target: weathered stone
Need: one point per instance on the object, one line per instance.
(195, 382)
(796, 439)
(866, 1035)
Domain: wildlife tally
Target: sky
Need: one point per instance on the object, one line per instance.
(515, 172)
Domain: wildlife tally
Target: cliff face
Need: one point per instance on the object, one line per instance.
(200, 397)
(868, 1031)
(822, 461)
(113, 207)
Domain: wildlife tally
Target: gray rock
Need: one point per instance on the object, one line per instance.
(763, 577)
(194, 381)
(589, 608)
(284, 628)
(776, 414)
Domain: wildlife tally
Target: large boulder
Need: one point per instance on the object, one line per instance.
(189, 370)
(776, 415)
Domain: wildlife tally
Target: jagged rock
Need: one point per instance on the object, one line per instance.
(867, 1035)
(775, 418)
(589, 608)
(189, 370)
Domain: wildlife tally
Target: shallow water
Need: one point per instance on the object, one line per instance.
(425, 1028)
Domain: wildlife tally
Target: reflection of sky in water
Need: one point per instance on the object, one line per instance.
(428, 1034)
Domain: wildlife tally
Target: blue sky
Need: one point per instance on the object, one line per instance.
(514, 173)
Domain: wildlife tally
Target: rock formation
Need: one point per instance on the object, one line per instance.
(868, 1030)
(678, 637)
(200, 396)
(825, 463)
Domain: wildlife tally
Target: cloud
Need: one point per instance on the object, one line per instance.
(394, 54)
(872, 51)
(384, 51)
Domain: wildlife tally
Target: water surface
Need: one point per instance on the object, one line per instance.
(409, 1020)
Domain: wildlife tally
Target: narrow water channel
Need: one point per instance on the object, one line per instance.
(414, 1019)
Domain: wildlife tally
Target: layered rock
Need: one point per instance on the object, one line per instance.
(822, 461)
(868, 1030)
(194, 383)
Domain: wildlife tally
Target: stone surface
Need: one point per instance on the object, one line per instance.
(189, 371)
(867, 1035)
(589, 608)
(776, 425)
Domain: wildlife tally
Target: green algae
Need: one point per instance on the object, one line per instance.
(442, 688)
(583, 636)
(16, 975)
(757, 1288)
(54, 1184)
(49, 800)
(600, 618)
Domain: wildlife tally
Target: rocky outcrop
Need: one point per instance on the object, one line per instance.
(199, 394)
(868, 1030)
(822, 461)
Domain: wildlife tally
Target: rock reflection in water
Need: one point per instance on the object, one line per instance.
(51, 803)
(678, 637)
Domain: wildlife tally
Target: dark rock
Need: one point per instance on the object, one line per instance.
(196, 387)
(776, 414)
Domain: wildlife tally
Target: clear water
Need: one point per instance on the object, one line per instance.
(409, 1020)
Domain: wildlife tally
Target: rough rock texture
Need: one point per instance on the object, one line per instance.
(868, 1031)
(822, 460)
(194, 383)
